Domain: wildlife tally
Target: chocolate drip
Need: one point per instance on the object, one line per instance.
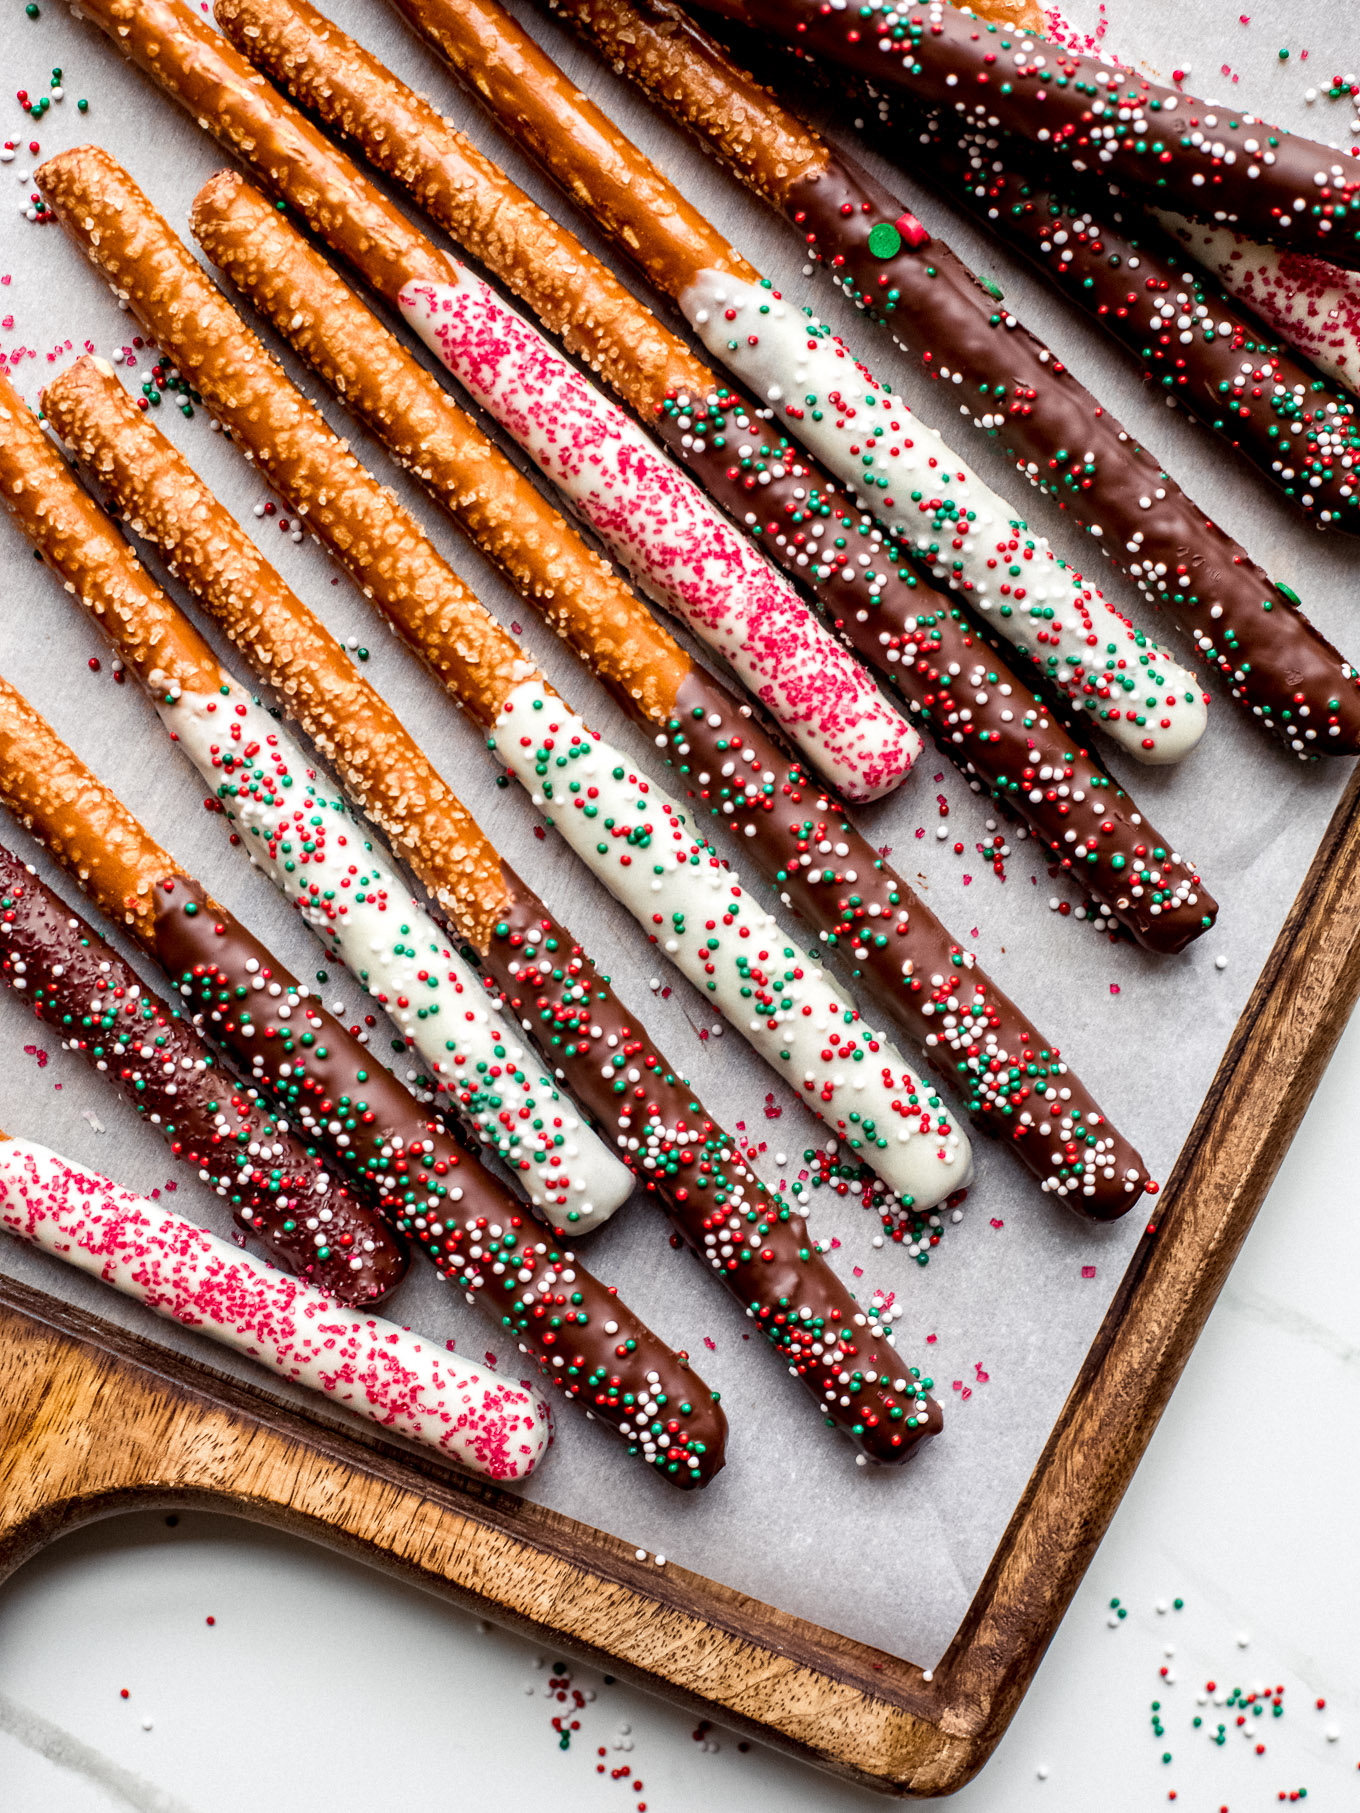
(279, 1193)
(1273, 660)
(983, 716)
(586, 1342)
(1241, 171)
(1115, 263)
(759, 1247)
(1014, 1083)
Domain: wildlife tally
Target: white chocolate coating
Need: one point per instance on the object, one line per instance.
(693, 908)
(1313, 305)
(294, 825)
(662, 529)
(399, 1380)
(967, 536)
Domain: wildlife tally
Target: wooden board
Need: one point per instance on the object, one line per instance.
(94, 1421)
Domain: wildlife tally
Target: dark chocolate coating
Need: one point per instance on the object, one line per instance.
(973, 1036)
(1126, 272)
(969, 66)
(613, 1366)
(79, 985)
(1272, 659)
(683, 1157)
(953, 681)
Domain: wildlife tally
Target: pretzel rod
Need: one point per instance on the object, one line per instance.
(396, 1378)
(306, 842)
(1202, 158)
(387, 1143)
(703, 728)
(653, 518)
(662, 1129)
(1187, 331)
(278, 1191)
(1011, 386)
(913, 1143)
(898, 625)
(1313, 305)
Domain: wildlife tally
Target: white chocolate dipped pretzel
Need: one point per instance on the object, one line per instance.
(294, 825)
(399, 1380)
(1313, 305)
(643, 848)
(662, 529)
(904, 473)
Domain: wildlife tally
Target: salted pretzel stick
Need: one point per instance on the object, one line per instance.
(778, 1273)
(653, 518)
(1003, 737)
(279, 1192)
(704, 730)
(347, 889)
(452, 322)
(399, 1380)
(880, 1110)
(1313, 305)
(1008, 384)
(246, 1002)
(1193, 340)
(1202, 158)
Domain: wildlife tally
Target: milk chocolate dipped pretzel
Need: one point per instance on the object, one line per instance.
(1021, 751)
(1009, 384)
(279, 1193)
(307, 843)
(369, 1123)
(1202, 158)
(406, 1384)
(882, 1112)
(1193, 339)
(911, 960)
(654, 519)
(663, 1130)
(667, 235)
(1312, 305)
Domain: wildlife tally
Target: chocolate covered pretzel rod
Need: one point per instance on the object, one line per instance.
(1202, 158)
(878, 1107)
(653, 518)
(1003, 737)
(661, 1128)
(1120, 683)
(1009, 385)
(908, 956)
(306, 841)
(1193, 340)
(341, 1097)
(404, 1383)
(279, 1192)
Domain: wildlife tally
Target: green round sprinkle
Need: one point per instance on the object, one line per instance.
(884, 240)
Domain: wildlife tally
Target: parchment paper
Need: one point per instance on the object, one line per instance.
(891, 1558)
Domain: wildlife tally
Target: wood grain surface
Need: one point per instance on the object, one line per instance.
(94, 1421)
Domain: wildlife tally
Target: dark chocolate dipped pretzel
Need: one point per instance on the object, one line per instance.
(1009, 384)
(1193, 340)
(708, 735)
(1202, 158)
(586, 1342)
(1019, 749)
(278, 1191)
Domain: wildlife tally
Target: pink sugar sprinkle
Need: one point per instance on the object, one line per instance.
(1088, 1271)
(36, 1051)
(997, 1223)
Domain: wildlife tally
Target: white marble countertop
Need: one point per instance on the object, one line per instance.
(264, 1673)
